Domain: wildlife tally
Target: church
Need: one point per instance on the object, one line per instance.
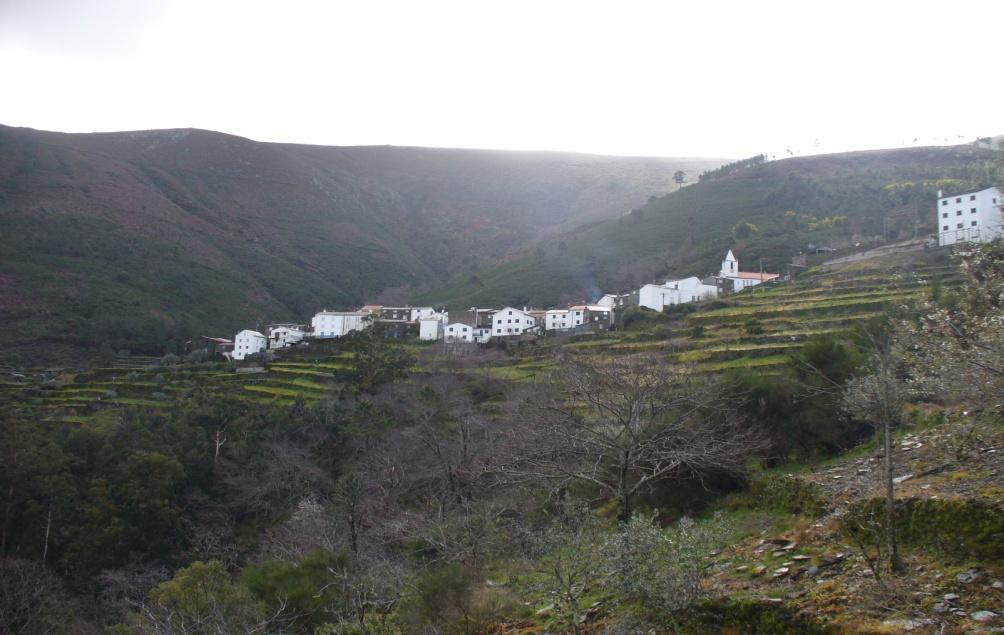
(742, 279)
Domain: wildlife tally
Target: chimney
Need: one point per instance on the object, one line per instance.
(939, 194)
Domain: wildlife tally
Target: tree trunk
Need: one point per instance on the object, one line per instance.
(890, 500)
(48, 526)
(623, 493)
(6, 520)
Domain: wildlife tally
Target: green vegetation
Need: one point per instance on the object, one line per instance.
(144, 242)
(824, 200)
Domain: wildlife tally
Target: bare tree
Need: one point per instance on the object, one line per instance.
(879, 397)
(625, 425)
(28, 597)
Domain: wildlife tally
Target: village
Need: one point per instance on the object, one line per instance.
(483, 325)
(977, 216)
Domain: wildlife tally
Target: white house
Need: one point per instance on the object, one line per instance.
(975, 217)
(430, 328)
(326, 324)
(557, 320)
(421, 312)
(659, 296)
(458, 332)
(248, 342)
(510, 321)
(742, 279)
(283, 335)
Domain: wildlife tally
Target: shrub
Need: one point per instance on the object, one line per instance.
(961, 529)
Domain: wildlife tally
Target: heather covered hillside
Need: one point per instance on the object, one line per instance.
(142, 240)
(760, 209)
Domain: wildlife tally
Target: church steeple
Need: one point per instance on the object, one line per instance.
(730, 266)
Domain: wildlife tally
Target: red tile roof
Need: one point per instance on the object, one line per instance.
(753, 275)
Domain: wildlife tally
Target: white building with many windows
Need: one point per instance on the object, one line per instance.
(248, 342)
(326, 324)
(972, 217)
(510, 321)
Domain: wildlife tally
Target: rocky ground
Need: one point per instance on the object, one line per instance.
(816, 568)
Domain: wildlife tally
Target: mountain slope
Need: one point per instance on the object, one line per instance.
(142, 240)
(786, 205)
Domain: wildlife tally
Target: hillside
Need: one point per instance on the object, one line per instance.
(836, 200)
(142, 240)
(295, 476)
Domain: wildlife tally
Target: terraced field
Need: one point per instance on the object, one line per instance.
(757, 329)
(86, 396)
(760, 328)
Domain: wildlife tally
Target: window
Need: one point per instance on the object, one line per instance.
(972, 197)
(945, 228)
(973, 223)
(498, 331)
(958, 200)
(958, 212)
(944, 202)
(944, 214)
(972, 211)
(510, 312)
(959, 226)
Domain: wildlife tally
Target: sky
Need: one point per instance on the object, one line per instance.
(624, 77)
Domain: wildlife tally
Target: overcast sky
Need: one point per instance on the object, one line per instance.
(723, 79)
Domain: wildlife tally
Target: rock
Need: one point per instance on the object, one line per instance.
(759, 570)
(984, 616)
(790, 546)
(544, 612)
(778, 541)
(950, 597)
(780, 573)
(779, 553)
(968, 577)
(741, 568)
(940, 608)
(812, 572)
(907, 625)
(901, 479)
(773, 600)
(801, 558)
(997, 585)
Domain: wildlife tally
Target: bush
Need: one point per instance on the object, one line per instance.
(659, 570)
(962, 529)
(780, 493)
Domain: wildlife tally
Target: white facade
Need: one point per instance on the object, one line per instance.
(659, 296)
(458, 332)
(557, 320)
(283, 336)
(430, 328)
(742, 279)
(975, 216)
(421, 312)
(248, 342)
(510, 321)
(327, 324)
